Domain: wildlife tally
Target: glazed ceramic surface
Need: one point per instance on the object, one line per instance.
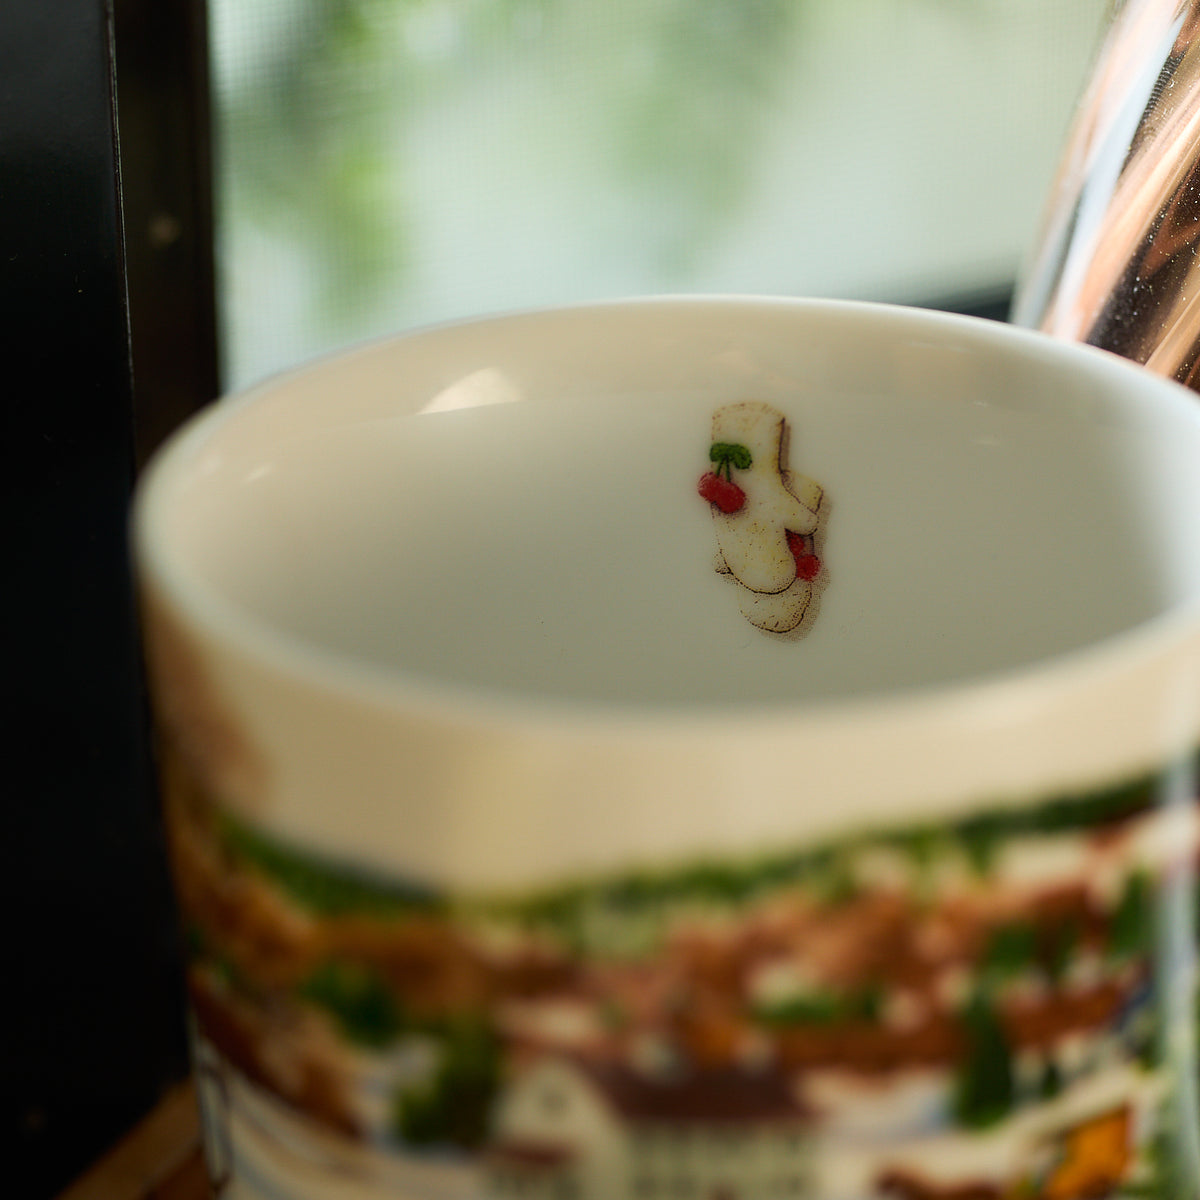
(688, 748)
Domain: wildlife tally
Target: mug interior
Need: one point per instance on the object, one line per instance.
(510, 506)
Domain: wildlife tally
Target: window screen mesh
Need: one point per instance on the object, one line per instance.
(383, 164)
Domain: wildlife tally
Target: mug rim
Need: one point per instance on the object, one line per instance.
(167, 581)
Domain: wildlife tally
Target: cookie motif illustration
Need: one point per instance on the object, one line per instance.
(764, 515)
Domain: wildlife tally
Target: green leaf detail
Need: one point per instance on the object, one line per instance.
(729, 454)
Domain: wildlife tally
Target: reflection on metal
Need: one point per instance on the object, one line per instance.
(1118, 261)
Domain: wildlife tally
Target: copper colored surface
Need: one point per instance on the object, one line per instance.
(1118, 261)
(159, 1159)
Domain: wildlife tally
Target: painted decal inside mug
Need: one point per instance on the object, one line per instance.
(765, 517)
(1001, 1008)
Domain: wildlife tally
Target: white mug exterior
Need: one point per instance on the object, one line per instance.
(463, 785)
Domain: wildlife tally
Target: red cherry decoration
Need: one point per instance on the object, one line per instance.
(727, 496)
(808, 565)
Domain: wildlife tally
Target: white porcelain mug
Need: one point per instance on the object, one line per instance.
(688, 748)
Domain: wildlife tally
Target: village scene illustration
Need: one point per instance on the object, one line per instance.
(1000, 1009)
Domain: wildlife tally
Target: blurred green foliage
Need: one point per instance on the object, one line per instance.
(320, 886)
(317, 100)
(985, 1090)
(452, 1109)
(366, 1009)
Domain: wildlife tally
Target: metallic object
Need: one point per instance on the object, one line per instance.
(1117, 263)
